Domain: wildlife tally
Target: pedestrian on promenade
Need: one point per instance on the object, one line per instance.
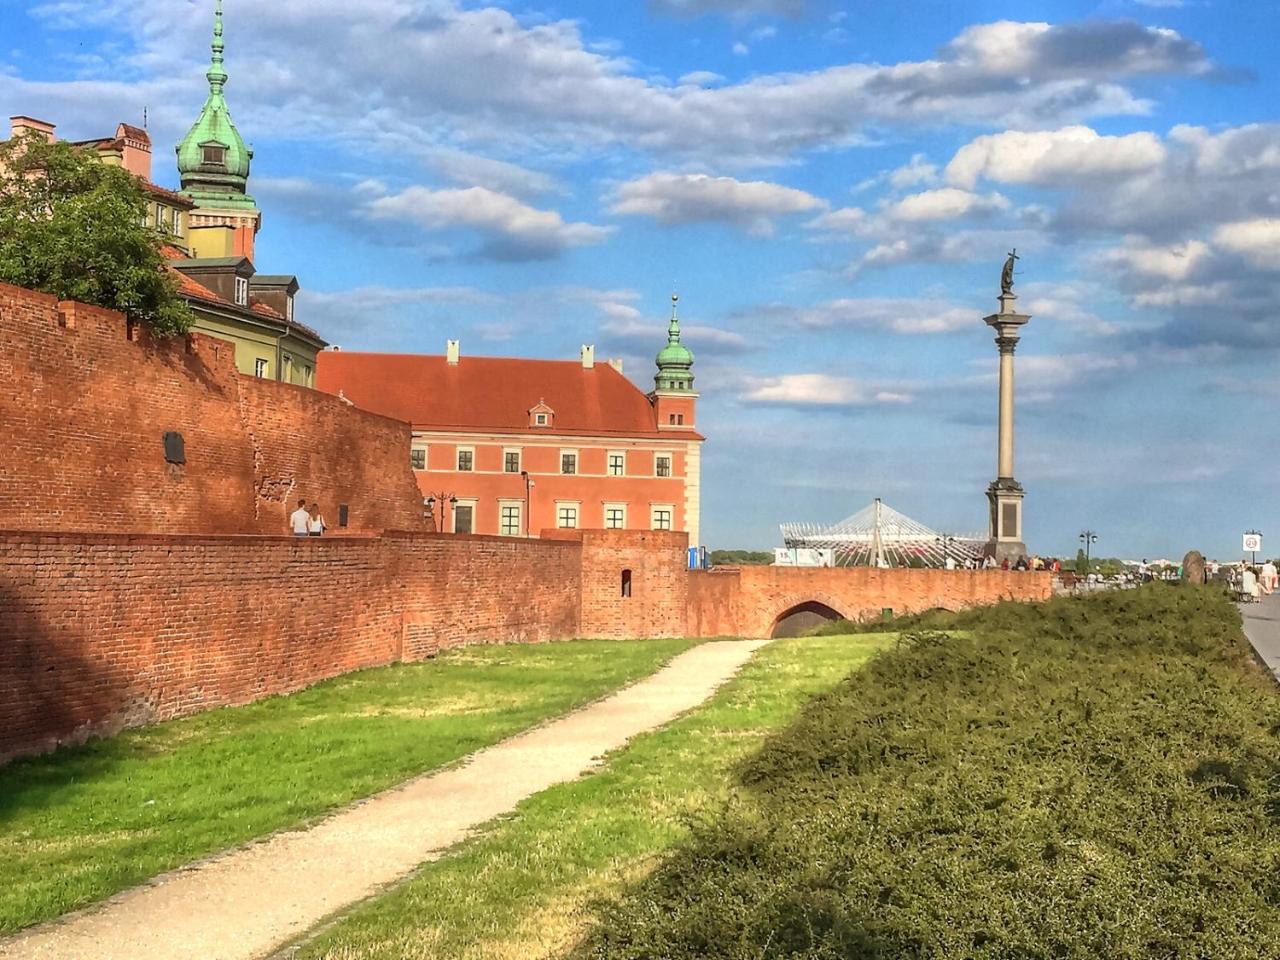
(300, 520)
(1249, 587)
(315, 521)
(1268, 577)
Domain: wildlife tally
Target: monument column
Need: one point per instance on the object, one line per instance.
(1005, 494)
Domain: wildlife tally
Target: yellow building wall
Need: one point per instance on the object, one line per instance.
(289, 358)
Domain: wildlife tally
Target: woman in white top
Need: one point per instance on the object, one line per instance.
(316, 525)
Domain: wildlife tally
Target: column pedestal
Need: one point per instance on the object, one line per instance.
(1005, 539)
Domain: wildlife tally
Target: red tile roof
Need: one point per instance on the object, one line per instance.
(198, 291)
(490, 394)
(169, 196)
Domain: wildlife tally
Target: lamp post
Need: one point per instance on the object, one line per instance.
(946, 540)
(442, 498)
(528, 488)
(1088, 538)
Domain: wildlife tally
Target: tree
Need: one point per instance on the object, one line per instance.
(77, 228)
(1082, 565)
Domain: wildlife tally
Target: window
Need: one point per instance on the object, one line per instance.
(662, 465)
(567, 516)
(677, 419)
(626, 583)
(511, 461)
(617, 464)
(568, 463)
(509, 519)
(288, 309)
(418, 458)
(214, 153)
(466, 459)
(615, 516)
(259, 367)
(540, 419)
(463, 517)
(162, 217)
(310, 380)
(242, 291)
(177, 223)
(662, 517)
(286, 364)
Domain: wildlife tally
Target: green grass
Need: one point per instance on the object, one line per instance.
(86, 822)
(1095, 777)
(521, 890)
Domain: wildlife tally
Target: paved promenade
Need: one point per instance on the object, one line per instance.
(246, 903)
(1262, 627)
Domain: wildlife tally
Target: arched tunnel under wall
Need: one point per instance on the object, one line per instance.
(803, 617)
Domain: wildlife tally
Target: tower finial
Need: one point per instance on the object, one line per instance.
(217, 75)
(673, 330)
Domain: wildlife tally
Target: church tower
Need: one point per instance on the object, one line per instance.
(213, 163)
(675, 407)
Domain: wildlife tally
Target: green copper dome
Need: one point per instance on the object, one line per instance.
(213, 160)
(675, 360)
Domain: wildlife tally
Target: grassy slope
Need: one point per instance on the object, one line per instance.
(80, 824)
(1086, 778)
(520, 890)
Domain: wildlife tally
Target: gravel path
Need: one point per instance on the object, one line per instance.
(244, 904)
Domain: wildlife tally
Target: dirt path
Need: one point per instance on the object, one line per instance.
(245, 903)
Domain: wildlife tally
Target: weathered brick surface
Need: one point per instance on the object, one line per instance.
(749, 601)
(102, 631)
(658, 563)
(88, 399)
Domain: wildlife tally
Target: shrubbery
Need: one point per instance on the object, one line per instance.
(1085, 778)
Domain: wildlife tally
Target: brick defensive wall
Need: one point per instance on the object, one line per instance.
(90, 397)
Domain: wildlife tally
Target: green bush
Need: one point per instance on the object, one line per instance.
(1084, 778)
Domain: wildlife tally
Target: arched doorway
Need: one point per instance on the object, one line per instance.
(803, 617)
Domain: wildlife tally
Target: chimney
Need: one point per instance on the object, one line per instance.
(616, 363)
(451, 352)
(20, 125)
(588, 357)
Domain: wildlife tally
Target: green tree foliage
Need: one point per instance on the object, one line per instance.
(741, 558)
(77, 228)
(1084, 778)
(1082, 565)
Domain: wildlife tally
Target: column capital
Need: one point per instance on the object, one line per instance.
(1007, 344)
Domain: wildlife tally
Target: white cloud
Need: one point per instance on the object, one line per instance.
(678, 198)
(473, 170)
(1052, 157)
(918, 172)
(741, 49)
(637, 334)
(903, 315)
(1258, 241)
(512, 229)
(844, 220)
(1172, 262)
(820, 390)
(946, 203)
(736, 9)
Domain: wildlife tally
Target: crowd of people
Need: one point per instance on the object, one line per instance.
(990, 563)
(1251, 584)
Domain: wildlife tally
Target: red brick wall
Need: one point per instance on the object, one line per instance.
(103, 631)
(748, 601)
(88, 401)
(658, 561)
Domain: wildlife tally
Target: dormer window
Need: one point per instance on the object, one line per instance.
(214, 153)
(242, 291)
(540, 419)
(541, 415)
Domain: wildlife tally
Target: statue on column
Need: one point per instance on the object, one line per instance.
(1006, 275)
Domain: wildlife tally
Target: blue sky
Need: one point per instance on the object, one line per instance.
(831, 187)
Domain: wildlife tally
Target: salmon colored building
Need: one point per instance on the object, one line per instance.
(513, 447)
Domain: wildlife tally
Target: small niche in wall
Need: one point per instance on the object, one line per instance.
(626, 583)
(344, 514)
(175, 448)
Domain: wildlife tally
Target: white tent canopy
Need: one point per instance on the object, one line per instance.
(879, 536)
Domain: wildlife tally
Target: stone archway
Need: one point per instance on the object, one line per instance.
(800, 618)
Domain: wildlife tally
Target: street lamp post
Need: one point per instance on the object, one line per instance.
(442, 498)
(528, 487)
(1088, 538)
(946, 540)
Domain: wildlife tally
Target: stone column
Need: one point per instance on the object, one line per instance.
(1005, 494)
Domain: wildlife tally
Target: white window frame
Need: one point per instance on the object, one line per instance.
(542, 419)
(577, 462)
(177, 223)
(288, 309)
(519, 452)
(608, 463)
(518, 507)
(621, 508)
(422, 449)
(261, 368)
(576, 507)
(242, 291)
(457, 459)
(671, 464)
(653, 516)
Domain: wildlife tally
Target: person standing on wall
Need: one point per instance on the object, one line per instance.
(315, 521)
(300, 520)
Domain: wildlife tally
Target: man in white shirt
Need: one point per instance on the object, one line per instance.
(300, 520)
